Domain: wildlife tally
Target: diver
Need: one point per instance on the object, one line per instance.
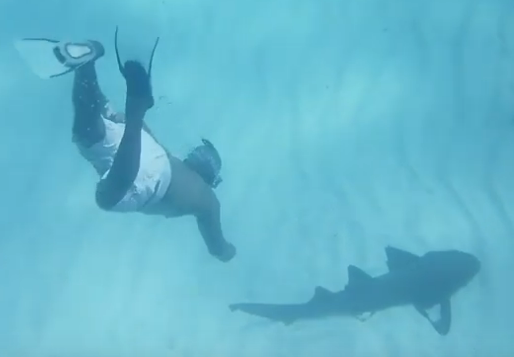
(136, 173)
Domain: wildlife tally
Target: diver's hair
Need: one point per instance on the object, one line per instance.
(206, 162)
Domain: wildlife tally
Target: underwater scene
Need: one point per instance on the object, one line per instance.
(279, 178)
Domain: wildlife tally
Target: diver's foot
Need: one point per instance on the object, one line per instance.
(76, 54)
(139, 86)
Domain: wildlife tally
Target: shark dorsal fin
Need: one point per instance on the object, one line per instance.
(321, 293)
(398, 259)
(357, 276)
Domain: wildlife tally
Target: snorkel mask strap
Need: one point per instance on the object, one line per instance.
(205, 160)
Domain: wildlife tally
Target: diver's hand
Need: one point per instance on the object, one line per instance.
(139, 87)
(227, 253)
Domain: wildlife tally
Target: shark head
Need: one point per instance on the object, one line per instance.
(432, 279)
(452, 266)
(437, 275)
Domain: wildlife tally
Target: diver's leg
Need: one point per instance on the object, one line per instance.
(113, 187)
(88, 105)
(125, 167)
(88, 100)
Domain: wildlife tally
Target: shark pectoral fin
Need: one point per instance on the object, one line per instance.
(443, 324)
(421, 311)
(398, 259)
(357, 277)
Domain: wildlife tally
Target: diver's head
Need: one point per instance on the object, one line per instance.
(206, 162)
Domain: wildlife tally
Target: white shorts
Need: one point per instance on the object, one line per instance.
(153, 178)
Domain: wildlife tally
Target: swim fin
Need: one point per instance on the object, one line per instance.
(49, 58)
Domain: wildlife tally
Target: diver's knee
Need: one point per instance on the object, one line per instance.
(88, 134)
(103, 196)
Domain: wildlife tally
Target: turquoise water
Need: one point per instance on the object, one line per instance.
(344, 126)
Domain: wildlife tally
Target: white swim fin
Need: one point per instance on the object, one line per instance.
(49, 58)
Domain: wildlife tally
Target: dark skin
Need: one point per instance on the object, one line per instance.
(188, 194)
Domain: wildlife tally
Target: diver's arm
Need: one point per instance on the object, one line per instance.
(209, 225)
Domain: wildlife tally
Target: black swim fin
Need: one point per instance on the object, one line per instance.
(138, 79)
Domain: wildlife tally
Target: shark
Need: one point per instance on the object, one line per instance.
(424, 282)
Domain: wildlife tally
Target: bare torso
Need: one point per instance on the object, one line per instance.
(187, 194)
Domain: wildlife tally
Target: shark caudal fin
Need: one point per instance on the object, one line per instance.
(285, 313)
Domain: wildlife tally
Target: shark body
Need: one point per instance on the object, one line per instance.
(421, 281)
